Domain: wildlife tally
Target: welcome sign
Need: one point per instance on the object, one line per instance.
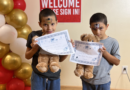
(66, 10)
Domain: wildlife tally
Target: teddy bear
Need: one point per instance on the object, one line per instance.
(86, 70)
(45, 60)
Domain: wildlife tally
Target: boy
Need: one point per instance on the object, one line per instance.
(43, 81)
(111, 56)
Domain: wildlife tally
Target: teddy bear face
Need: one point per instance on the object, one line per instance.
(90, 38)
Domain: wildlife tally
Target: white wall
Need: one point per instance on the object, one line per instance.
(118, 13)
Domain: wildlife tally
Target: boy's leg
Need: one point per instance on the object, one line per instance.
(37, 82)
(103, 86)
(53, 84)
(87, 86)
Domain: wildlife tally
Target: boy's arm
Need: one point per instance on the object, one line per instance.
(63, 57)
(32, 47)
(110, 58)
(31, 51)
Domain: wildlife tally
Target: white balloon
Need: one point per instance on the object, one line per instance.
(26, 60)
(2, 20)
(18, 46)
(7, 34)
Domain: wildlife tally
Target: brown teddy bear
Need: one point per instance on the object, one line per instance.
(86, 70)
(46, 59)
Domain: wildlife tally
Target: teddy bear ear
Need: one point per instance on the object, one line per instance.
(98, 39)
(82, 36)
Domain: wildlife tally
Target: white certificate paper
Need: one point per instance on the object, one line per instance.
(87, 53)
(56, 43)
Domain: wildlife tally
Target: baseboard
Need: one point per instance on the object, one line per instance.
(71, 88)
(120, 89)
(79, 88)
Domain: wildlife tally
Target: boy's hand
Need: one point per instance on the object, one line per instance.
(72, 42)
(103, 50)
(34, 45)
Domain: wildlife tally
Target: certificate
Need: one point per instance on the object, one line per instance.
(56, 43)
(87, 53)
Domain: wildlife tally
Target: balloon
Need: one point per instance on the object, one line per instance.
(18, 46)
(16, 18)
(27, 88)
(6, 6)
(5, 75)
(27, 82)
(26, 60)
(11, 61)
(7, 34)
(24, 71)
(2, 20)
(2, 87)
(24, 31)
(0, 61)
(15, 84)
(19, 4)
(4, 49)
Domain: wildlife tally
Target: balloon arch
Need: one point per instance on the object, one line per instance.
(15, 69)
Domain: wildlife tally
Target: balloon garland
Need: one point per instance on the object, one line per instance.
(15, 69)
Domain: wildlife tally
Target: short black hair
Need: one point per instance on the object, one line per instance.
(46, 12)
(98, 17)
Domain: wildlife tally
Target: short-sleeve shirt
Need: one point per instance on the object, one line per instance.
(102, 72)
(50, 75)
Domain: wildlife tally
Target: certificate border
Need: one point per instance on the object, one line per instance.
(65, 32)
(87, 62)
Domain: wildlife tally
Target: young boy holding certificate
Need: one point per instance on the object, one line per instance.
(111, 56)
(43, 81)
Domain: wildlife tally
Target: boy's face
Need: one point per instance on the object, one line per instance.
(48, 24)
(99, 29)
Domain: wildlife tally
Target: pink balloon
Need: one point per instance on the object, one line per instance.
(27, 88)
(8, 34)
(2, 20)
(15, 84)
(5, 75)
(18, 46)
(19, 4)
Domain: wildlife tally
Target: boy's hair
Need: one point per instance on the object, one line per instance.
(98, 17)
(46, 12)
